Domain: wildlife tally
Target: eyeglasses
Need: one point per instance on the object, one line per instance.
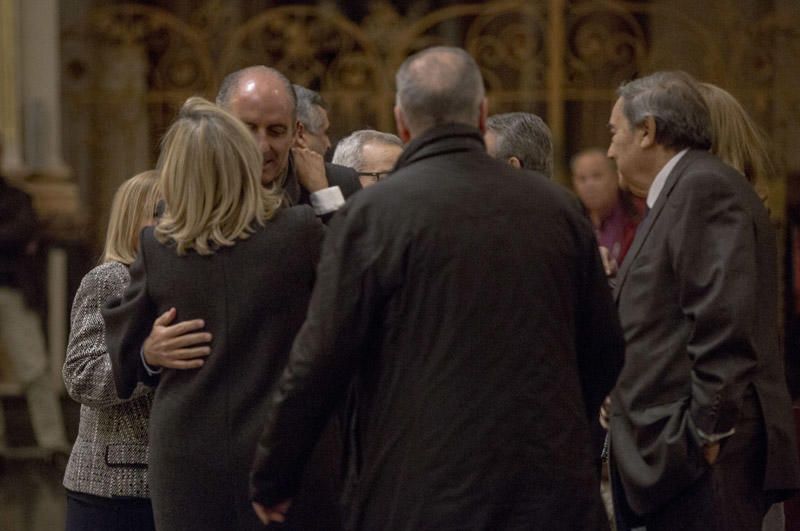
(374, 176)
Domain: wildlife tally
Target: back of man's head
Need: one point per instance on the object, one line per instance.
(437, 86)
(523, 136)
(307, 112)
(674, 101)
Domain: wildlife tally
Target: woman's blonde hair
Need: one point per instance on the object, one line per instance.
(211, 179)
(133, 206)
(737, 140)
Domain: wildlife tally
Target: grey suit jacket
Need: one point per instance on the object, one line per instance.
(109, 457)
(697, 299)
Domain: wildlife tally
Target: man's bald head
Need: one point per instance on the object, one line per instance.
(439, 85)
(259, 74)
(265, 101)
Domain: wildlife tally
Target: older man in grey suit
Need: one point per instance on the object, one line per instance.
(701, 433)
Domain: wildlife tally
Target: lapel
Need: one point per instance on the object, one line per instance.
(643, 231)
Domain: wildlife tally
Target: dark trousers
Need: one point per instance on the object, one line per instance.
(94, 513)
(728, 497)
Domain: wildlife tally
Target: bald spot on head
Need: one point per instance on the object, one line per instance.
(440, 85)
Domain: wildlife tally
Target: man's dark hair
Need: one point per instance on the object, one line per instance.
(525, 136)
(675, 103)
(439, 85)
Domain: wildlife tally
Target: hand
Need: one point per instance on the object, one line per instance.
(309, 166)
(711, 452)
(605, 412)
(176, 346)
(268, 515)
(609, 264)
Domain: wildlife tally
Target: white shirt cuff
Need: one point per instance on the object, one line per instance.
(714, 437)
(327, 200)
(150, 370)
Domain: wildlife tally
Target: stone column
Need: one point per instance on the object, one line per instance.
(55, 195)
(40, 97)
(10, 117)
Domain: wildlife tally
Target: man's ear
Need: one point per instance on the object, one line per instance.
(514, 161)
(647, 132)
(299, 132)
(483, 116)
(402, 127)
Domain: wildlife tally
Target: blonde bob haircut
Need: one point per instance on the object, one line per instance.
(211, 179)
(737, 140)
(133, 207)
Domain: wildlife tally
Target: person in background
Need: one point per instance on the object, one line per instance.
(371, 153)
(737, 139)
(106, 476)
(611, 210)
(228, 253)
(20, 326)
(739, 142)
(521, 139)
(314, 122)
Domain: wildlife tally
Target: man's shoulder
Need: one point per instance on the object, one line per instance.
(705, 171)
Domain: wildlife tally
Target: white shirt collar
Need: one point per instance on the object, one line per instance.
(661, 178)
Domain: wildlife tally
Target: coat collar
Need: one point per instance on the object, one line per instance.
(439, 140)
(643, 230)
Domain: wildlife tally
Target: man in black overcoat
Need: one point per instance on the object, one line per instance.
(466, 302)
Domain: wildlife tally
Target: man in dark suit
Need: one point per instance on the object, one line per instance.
(701, 432)
(466, 302)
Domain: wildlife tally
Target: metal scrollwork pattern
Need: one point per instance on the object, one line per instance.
(560, 58)
(606, 46)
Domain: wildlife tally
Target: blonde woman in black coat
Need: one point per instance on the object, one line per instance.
(106, 476)
(225, 252)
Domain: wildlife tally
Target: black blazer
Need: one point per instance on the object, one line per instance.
(697, 297)
(205, 422)
(473, 312)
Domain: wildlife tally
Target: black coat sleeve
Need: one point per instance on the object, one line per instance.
(600, 343)
(128, 322)
(345, 178)
(324, 356)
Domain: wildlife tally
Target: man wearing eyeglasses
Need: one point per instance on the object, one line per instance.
(371, 153)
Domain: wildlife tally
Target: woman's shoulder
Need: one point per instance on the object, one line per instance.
(109, 273)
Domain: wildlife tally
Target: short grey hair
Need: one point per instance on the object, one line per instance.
(349, 149)
(439, 85)
(307, 113)
(674, 101)
(525, 136)
(231, 82)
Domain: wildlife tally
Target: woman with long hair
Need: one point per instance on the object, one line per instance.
(226, 252)
(105, 477)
